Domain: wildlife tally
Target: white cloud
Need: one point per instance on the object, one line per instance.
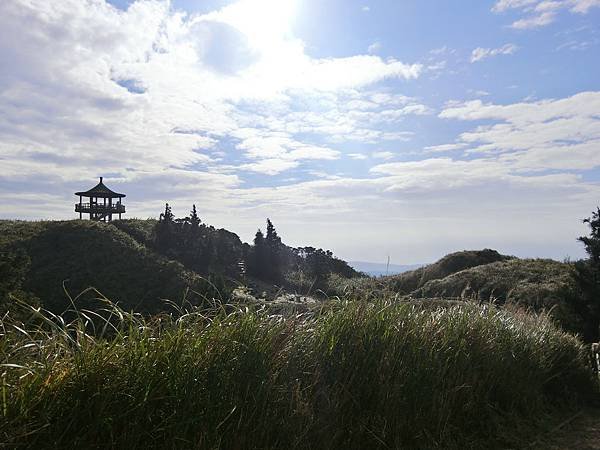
(382, 155)
(478, 93)
(150, 88)
(537, 21)
(358, 156)
(482, 53)
(547, 134)
(444, 148)
(374, 47)
(542, 12)
(270, 166)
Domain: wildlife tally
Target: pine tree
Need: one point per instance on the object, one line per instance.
(194, 219)
(164, 232)
(592, 242)
(167, 216)
(588, 277)
(272, 233)
(258, 264)
(274, 270)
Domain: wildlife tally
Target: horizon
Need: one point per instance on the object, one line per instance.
(413, 129)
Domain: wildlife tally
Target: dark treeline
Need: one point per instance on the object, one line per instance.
(207, 250)
(588, 277)
(199, 247)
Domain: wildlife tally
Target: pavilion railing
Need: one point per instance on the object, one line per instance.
(99, 208)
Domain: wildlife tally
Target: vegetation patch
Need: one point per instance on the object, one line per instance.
(538, 284)
(49, 260)
(351, 375)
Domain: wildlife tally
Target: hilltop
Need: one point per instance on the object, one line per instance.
(47, 262)
(407, 282)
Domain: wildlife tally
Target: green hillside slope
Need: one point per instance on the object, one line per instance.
(534, 283)
(47, 258)
(407, 282)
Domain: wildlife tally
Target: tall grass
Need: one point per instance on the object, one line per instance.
(352, 375)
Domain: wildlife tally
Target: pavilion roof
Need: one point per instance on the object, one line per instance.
(100, 190)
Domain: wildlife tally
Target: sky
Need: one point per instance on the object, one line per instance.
(405, 128)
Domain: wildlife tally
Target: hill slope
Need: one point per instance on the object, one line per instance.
(454, 262)
(407, 282)
(45, 256)
(533, 283)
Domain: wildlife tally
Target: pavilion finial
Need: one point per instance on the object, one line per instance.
(100, 179)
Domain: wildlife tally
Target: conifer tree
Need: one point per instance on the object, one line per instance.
(165, 235)
(272, 236)
(194, 219)
(258, 264)
(167, 216)
(592, 242)
(588, 276)
(273, 269)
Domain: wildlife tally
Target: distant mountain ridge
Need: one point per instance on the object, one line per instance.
(376, 269)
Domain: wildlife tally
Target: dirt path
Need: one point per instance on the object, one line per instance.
(580, 433)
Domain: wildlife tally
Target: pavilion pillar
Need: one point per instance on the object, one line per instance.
(110, 209)
(80, 213)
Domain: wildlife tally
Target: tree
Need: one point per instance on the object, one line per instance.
(274, 270)
(165, 233)
(588, 277)
(592, 242)
(272, 236)
(194, 219)
(257, 265)
(167, 216)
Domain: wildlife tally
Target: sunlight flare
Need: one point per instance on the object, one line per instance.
(264, 22)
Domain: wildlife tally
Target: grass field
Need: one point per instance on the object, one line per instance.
(349, 375)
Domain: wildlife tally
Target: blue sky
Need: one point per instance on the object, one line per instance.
(373, 128)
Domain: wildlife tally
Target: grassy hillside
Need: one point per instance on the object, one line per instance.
(81, 254)
(407, 282)
(533, 283)
(483, 276)
(354, 375)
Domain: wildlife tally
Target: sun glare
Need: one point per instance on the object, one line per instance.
(264, 21)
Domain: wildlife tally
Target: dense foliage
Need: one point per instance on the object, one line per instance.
(139, 263)
(206, 250)
(353, 375)
(588, 277)
(54, 261)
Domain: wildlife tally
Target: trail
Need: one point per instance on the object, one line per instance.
(581, 433)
